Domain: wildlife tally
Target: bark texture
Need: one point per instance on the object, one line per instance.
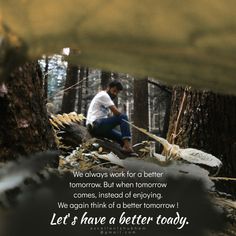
(206, 121)
(140, 117)
(80, 90)
(105, 79)
(68, 102)
(24, 125)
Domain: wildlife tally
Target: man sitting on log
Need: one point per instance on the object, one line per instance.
(100, 125)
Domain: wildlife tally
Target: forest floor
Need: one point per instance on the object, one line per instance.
(85, 159)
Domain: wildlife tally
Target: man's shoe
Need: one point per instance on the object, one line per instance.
(133, 154)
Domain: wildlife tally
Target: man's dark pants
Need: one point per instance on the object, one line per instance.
(105, 127)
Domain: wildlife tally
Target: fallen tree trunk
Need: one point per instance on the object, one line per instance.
(70, 133)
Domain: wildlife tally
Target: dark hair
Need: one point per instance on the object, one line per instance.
(117, 84)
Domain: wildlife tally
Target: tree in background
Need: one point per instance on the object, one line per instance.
(206, 121)
(54, 70)
(167, 112)
(159, 107)
(82, 71)
(105, 79)
(24, 126)
(140, 113)
(68, 101)
(86, 90)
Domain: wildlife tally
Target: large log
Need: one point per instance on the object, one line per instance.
(71, 133)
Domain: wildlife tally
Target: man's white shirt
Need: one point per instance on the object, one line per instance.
(99, 107)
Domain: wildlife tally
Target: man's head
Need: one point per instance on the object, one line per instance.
(114, 88)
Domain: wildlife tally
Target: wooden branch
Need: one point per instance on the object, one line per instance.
(181, 110)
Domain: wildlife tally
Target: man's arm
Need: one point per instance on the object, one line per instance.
(114, 110)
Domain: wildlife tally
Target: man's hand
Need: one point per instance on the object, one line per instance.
(114, 110)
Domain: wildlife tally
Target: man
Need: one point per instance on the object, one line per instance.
(101, 125)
